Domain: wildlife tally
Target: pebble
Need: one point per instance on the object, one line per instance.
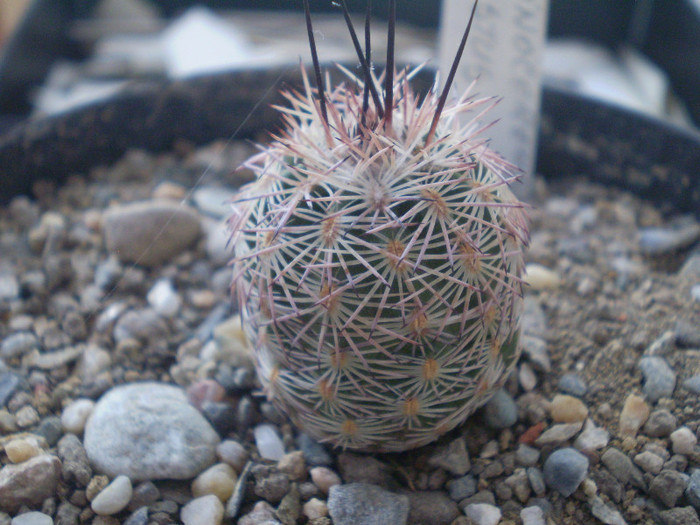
(143, 324)
(572, 384)
(50, 429)
(679, 516)
(22, 449)
(51, 360)
(483, 513)
(150, 233)
(92, 362)
(660, 423)
(363, 468)
(233, 453)
(621, 466)
(219, 480)
(75, 466)
(10, 383)
(27, 416)
(222, 416)
(567, 409)
(564, 470)
(293, 465)
(683, 441)
(324, 478)
(657, 241)
(113, 498)
(75, 415)
(500, 411)
(527, 377)
(532, 515)
(461, 488)
(164, 299)
(526, 455)
(692, 384)
(355, 503)
(29, 483)
(433, 507)
(268, 442)
(520, 484)
(687, 334)
(539, 277)
(272, 486)
(558, 434)
(692, 491)
(262, 514)
(149, 431)
(32, 518)
(138, 517)
(634, 414)
(144, 494)
(205, 510)
(535, 349)
(592, 438)
(604, 513)
(9, 287)
(668, 487)
(536, 479)
(18, 344)
(649, 462)
(213, 200)
(663, 345)
(452, 457)
(315, 509)
(695, 292)
(659, 378)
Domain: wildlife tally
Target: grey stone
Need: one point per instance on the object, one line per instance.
(32, 518)
(657, 241)
(51, 429)
(144, 325)
(692, 492)
(558, 434)
(29, 483)
(75, 467)
(272, 487)
(687, 334)
(149, 431)
(150, 233)
(535, 349)
(18, 344)
(564, 470)
(452, 457)
(10, 383)
(621, 466)
(659, 378)
(533, 321)
(461, 488)
(67, 514)
(500, 411)
(604, 513)
(660, 423)
(572, 384)
(536, 479)
(367, 504)
(433, 507)
(692, 384)
(668, 487)
(315, 454)
(679, 516)
(358, 468)
(691, 267)
(138, 517)
(526, 456)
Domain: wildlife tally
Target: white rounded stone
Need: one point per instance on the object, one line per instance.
(113, 498)
(207, 510)
(75, 416)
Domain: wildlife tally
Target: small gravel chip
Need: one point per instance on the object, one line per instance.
(461, 488)
(324, 478)
(357, 503)
(621, 466)
(526, 456)
(572, 384)
(483, 513)
(592, 438)
(660, 424)
(684, 441)
(19, 450)
(232, 452)
(113, 498)
(604, 513)
(567, 409)
(315, 509)
(268, 442)
(219, 480)
(564, 470)
(659, 378)
(293, 465)
(668, 487)
(501, 411)
(32, 518)
(634, 414)
(539, 277)
(206, 510)
(679, 516)
(75, 415)
(558, 434)
(532, 515)
(649, 462)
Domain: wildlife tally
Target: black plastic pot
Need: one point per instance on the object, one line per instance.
(579, 136)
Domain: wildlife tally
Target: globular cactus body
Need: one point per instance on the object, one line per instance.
(378, 268)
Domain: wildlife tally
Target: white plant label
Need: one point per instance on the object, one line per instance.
(504, 51)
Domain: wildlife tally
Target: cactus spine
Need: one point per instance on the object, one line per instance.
(378, 262)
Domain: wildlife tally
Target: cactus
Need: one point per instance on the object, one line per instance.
(378, 261)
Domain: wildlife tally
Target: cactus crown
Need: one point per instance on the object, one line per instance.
(377, 262)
